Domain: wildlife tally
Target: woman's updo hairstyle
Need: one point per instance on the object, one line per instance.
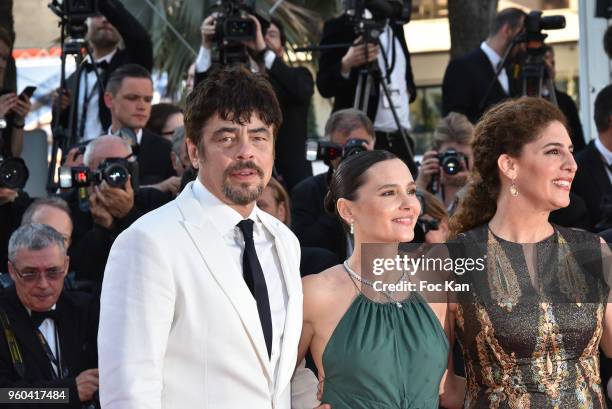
(350, 176)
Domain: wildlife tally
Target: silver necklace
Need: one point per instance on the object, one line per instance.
(370, 284)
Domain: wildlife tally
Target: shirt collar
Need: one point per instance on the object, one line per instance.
(50, 309)
(138, 134)
(607, 154)
(108, 57)
(222, 216)
(491, 54)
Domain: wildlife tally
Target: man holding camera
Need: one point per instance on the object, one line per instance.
(388, 58)
(101, 211)
(466, 87)
(293, 86)
(104, 33)
(313, 226)
(48, 335)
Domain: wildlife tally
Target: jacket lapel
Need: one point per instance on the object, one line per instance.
(598, 169)
(206, 238)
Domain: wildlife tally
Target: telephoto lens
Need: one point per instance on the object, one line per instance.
(13, 173)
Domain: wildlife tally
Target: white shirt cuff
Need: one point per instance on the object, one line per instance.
(203, 60)
(269, 58)
(346, 76)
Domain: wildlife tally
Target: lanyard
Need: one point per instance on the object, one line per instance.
(56, 359)
(86, 100)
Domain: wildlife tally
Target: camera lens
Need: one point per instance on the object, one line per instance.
(451, 165)
(13, 173)
(116, 175)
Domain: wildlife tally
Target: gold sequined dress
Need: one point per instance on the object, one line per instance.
(530, 336)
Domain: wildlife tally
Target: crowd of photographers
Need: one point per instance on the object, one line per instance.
(130, 157)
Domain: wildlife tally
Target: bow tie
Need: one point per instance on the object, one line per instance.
(89, 67)
(38, 317)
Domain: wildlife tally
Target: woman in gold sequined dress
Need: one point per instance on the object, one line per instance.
(533, 323)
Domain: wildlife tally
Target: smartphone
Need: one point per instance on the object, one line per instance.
(28, 92)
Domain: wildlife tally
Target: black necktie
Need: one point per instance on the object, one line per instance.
(255, 280)
(38, 317)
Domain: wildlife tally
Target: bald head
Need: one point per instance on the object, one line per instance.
(103, 147)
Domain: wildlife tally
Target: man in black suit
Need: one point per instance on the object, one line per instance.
(293, 86)
(312, 225)
(593, 180)
(467, 78)
(48, 339)
(104, 34)
(128, 96)
(340, 69)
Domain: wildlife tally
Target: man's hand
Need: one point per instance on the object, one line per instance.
(7, 103)
(359, 54)
(60, 96)
(100, 215)
(87, 383)
(207, 30)
(7, 195)
(259, 44)
(117, 201)
(74, 158)
(430, 167)
(171, 185)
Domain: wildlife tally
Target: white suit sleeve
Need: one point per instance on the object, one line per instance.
(304, 386)
(136, 311)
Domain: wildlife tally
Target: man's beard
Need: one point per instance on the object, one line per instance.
(242, 195)
(104, 40)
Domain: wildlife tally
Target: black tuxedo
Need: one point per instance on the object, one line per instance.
(77, 325)
(154, 162)
(329, 80)
(312, 225)
(568, 107)
(465, 84)
(591, 181)
(138, 50)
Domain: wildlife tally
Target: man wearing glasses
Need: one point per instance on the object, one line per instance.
(48, 337)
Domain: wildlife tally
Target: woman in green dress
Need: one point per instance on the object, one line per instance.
(376, 349)
(532, 326)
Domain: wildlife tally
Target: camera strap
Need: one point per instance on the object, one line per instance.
(389, 48)
(87, 96)
(13, 346)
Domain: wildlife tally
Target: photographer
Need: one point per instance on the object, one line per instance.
(313, 226)
(13, 108)
(104, 34)
(293, 86)
(339, 71)
(48, 335)
(445, 169)
(105, 211)
(467, 78)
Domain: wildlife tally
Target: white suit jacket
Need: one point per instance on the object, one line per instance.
(177, 330)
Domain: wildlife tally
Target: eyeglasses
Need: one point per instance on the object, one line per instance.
(51, 274)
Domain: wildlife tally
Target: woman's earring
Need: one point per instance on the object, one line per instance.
(513, 189)
(352, 227)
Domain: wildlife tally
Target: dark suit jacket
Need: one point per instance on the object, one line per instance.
(154, 163)
(77, 326)
(591, 181)
(568, 107)
(465, 84)
(329, 80)
(312, 225)
(10, 219)
(138, 50)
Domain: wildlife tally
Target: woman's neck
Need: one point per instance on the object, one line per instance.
(516, 221)
(371, 257)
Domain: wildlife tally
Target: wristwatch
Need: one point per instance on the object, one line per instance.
(2, 123)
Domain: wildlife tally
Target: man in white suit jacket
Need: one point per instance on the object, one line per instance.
(179, 327)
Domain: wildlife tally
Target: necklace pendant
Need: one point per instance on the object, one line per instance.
(399, 305)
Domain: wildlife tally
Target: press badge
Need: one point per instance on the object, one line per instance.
(394, 94)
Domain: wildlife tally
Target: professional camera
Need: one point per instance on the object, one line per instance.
(233, 26)
(114, 171)
(328, 151)
(74, 13)
(452, 161)
(370, 29)
(13, 173)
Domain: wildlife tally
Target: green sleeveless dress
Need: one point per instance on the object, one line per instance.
(381, 356)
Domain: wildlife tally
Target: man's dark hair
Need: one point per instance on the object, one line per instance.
(234, 93)
(125, 71)
(607, 42)
(5, 37)
(281, 29)
(603, 108)
(159, 116)
(512, 16)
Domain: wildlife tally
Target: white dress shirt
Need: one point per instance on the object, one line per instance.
(89, 81)
(606, 155)
(397, 86)
(138, 134)
(226, 220)
(47, 328)
(204, 60)
(495, 60)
